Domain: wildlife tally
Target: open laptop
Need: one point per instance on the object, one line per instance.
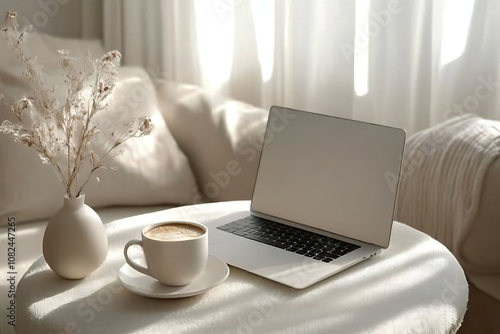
(323, 199)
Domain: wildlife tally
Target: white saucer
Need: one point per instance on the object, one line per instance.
(215, 273)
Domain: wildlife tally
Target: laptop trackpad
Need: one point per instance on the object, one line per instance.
(271, 262)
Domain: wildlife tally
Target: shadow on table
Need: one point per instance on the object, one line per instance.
(410, 291)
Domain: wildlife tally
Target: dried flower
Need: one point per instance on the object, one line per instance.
(10, 21)
(62, 132)
(145, 126)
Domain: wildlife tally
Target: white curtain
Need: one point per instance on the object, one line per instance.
(403, 63)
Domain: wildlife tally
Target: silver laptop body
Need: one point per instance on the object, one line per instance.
(328, 175)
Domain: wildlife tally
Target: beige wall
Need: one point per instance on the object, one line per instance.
(64, 18)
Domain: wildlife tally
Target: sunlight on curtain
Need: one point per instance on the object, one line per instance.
(264, 17)
(401, 63)
(214, 29)
(456, 21)
(362, 47)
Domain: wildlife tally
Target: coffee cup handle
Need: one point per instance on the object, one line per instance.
(131, 262)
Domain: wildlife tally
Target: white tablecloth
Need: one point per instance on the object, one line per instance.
(415, 286)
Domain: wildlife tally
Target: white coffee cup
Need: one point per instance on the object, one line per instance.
(176, 252)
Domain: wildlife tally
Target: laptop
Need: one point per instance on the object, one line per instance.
(323, 199)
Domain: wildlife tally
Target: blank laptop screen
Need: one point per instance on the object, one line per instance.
(330, 173)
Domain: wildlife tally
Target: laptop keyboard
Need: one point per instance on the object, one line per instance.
(309, 244)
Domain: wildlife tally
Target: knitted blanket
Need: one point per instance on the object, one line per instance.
(441, 183)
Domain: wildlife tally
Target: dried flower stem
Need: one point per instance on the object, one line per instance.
(62, 133)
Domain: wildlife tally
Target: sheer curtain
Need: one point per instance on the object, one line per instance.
(403, 63)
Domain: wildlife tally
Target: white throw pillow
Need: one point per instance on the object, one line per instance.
(44, 48)
(152, 170)
(223, 143)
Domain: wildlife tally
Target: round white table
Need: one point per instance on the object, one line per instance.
(414, 286)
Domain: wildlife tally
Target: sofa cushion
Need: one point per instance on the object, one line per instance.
(223, 143)
(44, 48)
(153, 170)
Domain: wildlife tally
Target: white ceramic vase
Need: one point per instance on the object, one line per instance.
(75, 242)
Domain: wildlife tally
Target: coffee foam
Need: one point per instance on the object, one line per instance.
(177, 231)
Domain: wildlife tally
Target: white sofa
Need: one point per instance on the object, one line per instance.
(191, 157)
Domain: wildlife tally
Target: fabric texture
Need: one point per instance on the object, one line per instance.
(223, 142)
(419, 283)
(153, 170)
(441, 193)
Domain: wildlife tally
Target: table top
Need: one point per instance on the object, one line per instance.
(416, 285)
